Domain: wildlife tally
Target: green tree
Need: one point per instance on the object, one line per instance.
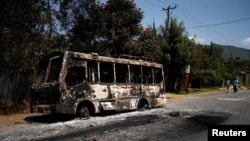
(234, 65)
(147, 44)
(176, 47)
(78, 24)
(212, 56)
(213, 61)
(23, 33)
(122, 25)
(107, 28)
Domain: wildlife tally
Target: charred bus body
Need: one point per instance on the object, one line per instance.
(85, 84)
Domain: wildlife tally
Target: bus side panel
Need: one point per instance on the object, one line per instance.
(157, 99)
(100, 91)
(151, 90)
(115, 91)
(125, 91)
(126, 96)
(116, 96)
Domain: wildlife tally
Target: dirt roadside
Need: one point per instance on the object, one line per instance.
(175, 98)
(13, 120)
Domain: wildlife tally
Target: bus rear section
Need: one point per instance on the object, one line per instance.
(86, 84)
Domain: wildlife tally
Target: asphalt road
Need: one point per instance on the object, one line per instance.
(237, 104)
(185, 120)
(219, 109)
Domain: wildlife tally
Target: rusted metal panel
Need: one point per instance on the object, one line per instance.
(159, 101)
(44, 108)
(108, 105)
(133, 104)
(152, 91)
(70, 94)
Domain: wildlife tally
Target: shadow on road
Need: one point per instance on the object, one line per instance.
(50, 118)
(210, 118)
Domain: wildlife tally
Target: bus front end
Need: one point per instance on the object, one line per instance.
(45, 90)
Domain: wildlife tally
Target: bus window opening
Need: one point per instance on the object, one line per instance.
(147, 75)
(158, 75)
(75, 76)
(121, 73)
(135, 74)
(93, 71)
(106, 72)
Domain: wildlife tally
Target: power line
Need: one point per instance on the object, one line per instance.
(207, 29)
(195, 21)
(220, 23)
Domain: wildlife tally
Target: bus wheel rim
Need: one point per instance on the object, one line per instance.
(84, 112)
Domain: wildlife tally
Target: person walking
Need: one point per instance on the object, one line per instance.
(227, 86)
(235, 85)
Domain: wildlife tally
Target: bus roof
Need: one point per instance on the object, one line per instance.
(94, 56)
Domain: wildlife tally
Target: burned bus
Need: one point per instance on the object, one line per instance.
(86, 84)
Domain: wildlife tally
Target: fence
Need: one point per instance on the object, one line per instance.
(14, 87)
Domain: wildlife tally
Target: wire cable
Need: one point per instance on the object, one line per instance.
(220, 23)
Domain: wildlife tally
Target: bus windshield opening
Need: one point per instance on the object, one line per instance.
(49, 70)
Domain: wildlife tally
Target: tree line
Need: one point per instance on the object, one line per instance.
(30, 29)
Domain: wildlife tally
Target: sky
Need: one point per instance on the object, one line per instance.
(225, 22)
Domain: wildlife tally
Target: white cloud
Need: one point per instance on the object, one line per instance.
(246, 41)
(197, 40)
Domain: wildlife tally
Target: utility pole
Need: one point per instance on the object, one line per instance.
(168, 16)
(171, 83)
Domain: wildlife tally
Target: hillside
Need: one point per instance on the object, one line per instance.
(242, 53)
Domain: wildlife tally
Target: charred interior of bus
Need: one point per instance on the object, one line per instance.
(45, 89)
(75, 75)
(92, 71)
(106, 72)
(49, 70)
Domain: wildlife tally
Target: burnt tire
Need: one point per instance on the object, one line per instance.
(143, 104)
(83, 112)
